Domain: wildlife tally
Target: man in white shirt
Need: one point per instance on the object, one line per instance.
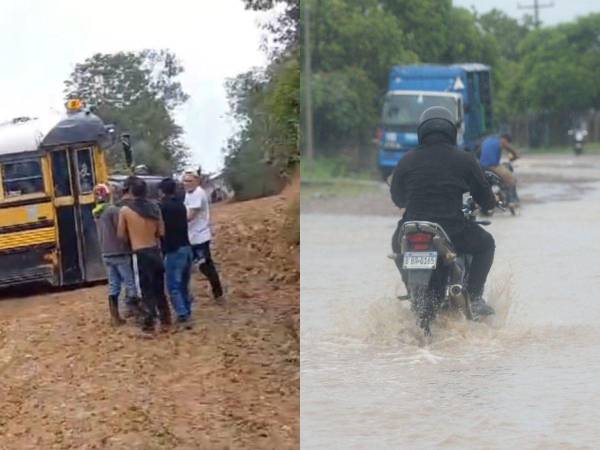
(198, 213)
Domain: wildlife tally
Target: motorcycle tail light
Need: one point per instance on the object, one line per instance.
(421, 246)
(420, 241)
(419, 237)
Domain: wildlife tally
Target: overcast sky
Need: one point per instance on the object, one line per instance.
(562, 11)
(41, 41)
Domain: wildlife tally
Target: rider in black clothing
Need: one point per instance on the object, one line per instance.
(429, 182)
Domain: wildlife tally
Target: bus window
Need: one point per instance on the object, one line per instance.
(85, 170)
(60, 172)
(22, 177)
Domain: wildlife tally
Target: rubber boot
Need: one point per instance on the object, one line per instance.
(133, 308)
(480, 307)
(113, 305)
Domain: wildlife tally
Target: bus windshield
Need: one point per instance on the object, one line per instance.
(405, 109)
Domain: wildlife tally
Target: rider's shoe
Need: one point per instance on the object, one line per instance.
(480, 307)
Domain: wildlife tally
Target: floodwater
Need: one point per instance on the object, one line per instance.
(527, 379)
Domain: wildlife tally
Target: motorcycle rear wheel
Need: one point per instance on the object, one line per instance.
(423, 303)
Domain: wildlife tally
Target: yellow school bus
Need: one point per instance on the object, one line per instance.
(48, 169)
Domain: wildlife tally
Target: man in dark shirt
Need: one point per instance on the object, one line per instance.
(429, 182)
(176, 248)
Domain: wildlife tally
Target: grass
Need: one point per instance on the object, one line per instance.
(333, 178)
(339, 188)
(328, 169)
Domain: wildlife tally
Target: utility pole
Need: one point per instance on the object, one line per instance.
(308, 129)
(536, 10)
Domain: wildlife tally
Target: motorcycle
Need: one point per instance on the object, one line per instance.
(578, 138)
(500, 190)
(434, 274)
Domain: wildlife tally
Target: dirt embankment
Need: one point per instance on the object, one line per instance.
(70, 381)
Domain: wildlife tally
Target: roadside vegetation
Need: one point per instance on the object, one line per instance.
(543, 77)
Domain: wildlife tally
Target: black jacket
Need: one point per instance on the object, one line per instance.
(174, 216)
(430, 181)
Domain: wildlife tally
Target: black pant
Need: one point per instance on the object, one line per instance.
(471, 240)
(207, 267)
(151, 275)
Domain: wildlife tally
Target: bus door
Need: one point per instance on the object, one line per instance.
(74, 177)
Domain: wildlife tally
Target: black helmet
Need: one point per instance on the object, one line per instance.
(436, 119)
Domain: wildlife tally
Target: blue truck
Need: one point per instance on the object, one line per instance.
(465, 89)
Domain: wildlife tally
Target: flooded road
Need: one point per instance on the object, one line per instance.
(526, 379)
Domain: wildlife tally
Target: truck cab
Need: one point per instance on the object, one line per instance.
(401, 112)
(464, 89)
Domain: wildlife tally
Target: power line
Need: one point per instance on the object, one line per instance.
(536, 10)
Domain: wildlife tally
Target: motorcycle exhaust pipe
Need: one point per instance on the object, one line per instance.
(456, 290)
(458, 294)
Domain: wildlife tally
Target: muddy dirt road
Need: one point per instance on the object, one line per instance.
(70, 381)
(525, 379)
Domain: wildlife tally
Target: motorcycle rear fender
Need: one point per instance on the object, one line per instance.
(441, 241)
(418, 277)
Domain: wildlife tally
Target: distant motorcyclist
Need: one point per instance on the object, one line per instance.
(429, 182)
(578, 135)
(491, 154)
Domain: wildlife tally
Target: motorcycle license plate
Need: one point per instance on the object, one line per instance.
(420, 260)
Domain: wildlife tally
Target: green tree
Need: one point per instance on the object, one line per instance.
(265, 104)
(345, 103)
(354, 43)
(507, 31)
(139, 92)
(424, 24)
(466, 42)
(557, 68)
(283, 30)
(360, 34)
(259, 157)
